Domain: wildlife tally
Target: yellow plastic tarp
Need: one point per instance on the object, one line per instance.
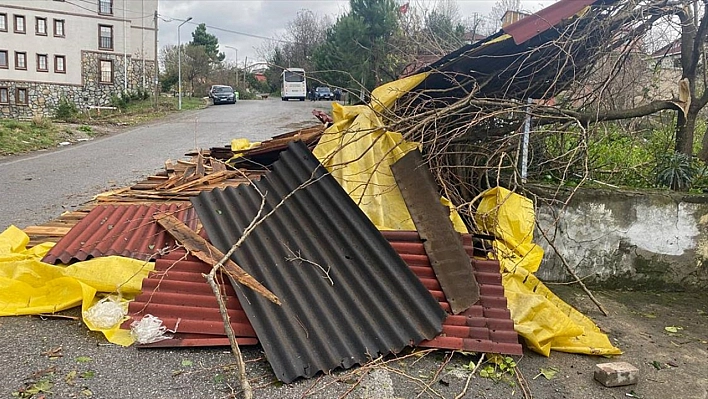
(29, 286)
(540, 317)
(358, 151)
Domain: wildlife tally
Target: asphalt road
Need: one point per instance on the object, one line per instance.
(67, 361)
(39, 187)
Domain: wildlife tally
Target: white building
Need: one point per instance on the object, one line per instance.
(85, 51)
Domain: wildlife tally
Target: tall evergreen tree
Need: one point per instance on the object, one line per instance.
(200, 37)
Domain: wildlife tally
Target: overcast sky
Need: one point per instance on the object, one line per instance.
(249, 24)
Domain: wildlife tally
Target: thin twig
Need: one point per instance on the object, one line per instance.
(572, 273)
(469, 378)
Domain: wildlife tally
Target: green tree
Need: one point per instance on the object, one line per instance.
(196, 66)
(357, 53)
(276, 61)
(443, 33)
(200, 37)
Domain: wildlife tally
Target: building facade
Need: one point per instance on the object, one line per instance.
(84, 51)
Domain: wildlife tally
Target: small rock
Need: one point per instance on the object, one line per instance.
(616, 374)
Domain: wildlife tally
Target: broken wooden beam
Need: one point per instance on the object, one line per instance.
(208, 253)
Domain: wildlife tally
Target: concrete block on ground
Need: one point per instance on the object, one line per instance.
(616, 374)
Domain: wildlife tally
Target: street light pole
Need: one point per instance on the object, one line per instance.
(179, 64)
(235, 49)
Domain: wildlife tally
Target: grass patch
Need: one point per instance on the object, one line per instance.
(17, 137)
(140, 111)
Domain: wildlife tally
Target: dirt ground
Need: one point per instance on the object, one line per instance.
(671, 364)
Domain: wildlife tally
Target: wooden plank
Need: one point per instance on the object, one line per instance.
(208, 253)
(46, 230)
(442, 243)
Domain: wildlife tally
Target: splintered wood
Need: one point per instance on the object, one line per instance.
(181, 180)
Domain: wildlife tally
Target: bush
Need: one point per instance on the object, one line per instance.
(675, 170)
(122, 100)
(66, 110)
(41, 122)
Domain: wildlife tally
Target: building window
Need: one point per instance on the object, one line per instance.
(19, 24)
(59, 64)
(41, 26)
(3, 59)
(42, 63)
(3, 22)
(20, 60)
(106, 71)
(105, 37)
(105, 7)
(21, 96)
(59, 27)
(4, 95)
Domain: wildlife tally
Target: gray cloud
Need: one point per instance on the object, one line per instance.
(247, 24)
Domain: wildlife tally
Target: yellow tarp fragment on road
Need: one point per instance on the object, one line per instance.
(359, 152)
(544, 320)
(29, 286)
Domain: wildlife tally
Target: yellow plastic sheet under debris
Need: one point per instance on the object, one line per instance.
(29, 286)
(544, 320)
(359, 152)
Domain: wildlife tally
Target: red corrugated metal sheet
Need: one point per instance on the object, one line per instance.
(487, 325)
(545, 19)
(125, 230)
(346, 294)
(178, 294)
(178, 290)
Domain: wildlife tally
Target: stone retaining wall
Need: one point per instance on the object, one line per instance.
(628, 239)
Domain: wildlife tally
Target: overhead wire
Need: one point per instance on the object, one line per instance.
(95, 11)
(226, 30)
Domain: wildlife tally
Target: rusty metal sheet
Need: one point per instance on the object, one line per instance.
(432, 220)
(346, 294)
(124, 230)
(177, 289)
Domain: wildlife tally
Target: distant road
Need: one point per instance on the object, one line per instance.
(40, 186)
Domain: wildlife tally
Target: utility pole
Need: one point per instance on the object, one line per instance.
(245, 61)
(155, 85)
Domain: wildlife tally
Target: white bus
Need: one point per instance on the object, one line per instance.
(293, 84)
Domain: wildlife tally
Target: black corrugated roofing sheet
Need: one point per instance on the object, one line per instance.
(369, 303)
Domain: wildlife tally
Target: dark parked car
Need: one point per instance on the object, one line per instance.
(323, 93)
(222, 94)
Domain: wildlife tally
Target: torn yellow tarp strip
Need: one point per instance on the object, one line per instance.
(358, 151)
(29, 286)
(544, 320)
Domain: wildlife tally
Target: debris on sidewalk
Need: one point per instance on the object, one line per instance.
(346, 295)
(616, 374)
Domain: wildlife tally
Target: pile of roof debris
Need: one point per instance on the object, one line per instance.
(345, 290)
(309, 275)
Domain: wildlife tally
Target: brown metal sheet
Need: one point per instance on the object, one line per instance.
(432, 220)
(177, 287)
(124, 230)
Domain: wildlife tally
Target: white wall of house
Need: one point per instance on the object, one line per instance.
(133, 36)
